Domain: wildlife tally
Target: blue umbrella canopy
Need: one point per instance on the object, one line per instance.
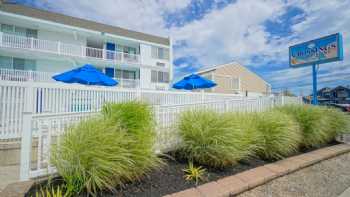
(194, 82)
(86, 74)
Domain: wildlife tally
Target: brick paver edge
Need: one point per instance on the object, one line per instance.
(278, 168)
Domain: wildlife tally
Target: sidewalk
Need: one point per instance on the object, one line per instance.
(346, 193)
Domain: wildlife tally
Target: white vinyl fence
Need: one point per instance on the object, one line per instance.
(62, 98)
(45, 128)
(39, 112)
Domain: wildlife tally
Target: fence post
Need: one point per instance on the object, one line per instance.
(82, 51)
(202, 96)
(1, 34)
(156, 114)
(59, 47)
(282, 100)
(26, 139)
(31, 43)
(139, 93)
(26, 146)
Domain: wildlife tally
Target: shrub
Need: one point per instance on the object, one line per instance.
(216, 140)
(281, 134)
(313, 122)
(92, 155)
(103, 152)
(134, 116)
(136, 119)
(338, 122)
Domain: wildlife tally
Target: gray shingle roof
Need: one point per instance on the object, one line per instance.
(78, 22)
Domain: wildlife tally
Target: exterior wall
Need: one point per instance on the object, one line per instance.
(68, 38)
(54, 66)
(248, 81)
(147, 59)
(149, 63)
(146, 83)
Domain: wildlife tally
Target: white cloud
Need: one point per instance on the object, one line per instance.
(139, 15)
(174, 5)
(235, 32)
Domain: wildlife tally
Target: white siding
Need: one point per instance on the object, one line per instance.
(146, 57)
(54, 66)
(62, 37)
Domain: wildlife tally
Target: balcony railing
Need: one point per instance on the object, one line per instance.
(37, 76)
(25, 75)
(60, 48)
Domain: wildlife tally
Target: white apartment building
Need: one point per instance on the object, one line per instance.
(35, 44)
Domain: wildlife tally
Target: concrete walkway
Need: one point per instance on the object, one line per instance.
(8, 174)
(326, 179)
(346, 193)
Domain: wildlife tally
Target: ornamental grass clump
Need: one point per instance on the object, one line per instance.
(338, 122)
(108, 150)
(137, 120)
(281, 135)
(215, 140)
(93, 155)
(313, 121)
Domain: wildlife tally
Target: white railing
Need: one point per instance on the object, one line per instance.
(38, 76)
(59, 48)
(46, 128)
(25, 75)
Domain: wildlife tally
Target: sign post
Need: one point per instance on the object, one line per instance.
(314, 84)
(319, 51)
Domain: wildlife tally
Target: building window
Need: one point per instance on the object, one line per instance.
(125, 74)
(159, 77)
(24, 64)
(7, 28)
(20, 31)
(160, 53)
(17, 63)
(129, 74)
(5, 62)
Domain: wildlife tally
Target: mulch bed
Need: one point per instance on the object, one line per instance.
(170, 178)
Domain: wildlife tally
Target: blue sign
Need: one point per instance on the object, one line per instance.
(319, 51)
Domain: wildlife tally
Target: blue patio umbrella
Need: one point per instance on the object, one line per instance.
(86, 74)
(194, 82)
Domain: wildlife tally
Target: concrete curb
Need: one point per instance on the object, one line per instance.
(241, 182)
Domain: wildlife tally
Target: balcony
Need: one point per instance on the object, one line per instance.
(59, 48)
(37, 76)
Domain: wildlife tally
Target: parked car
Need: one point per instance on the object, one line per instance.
(343, 107)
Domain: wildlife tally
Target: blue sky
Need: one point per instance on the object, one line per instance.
(210, 32)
